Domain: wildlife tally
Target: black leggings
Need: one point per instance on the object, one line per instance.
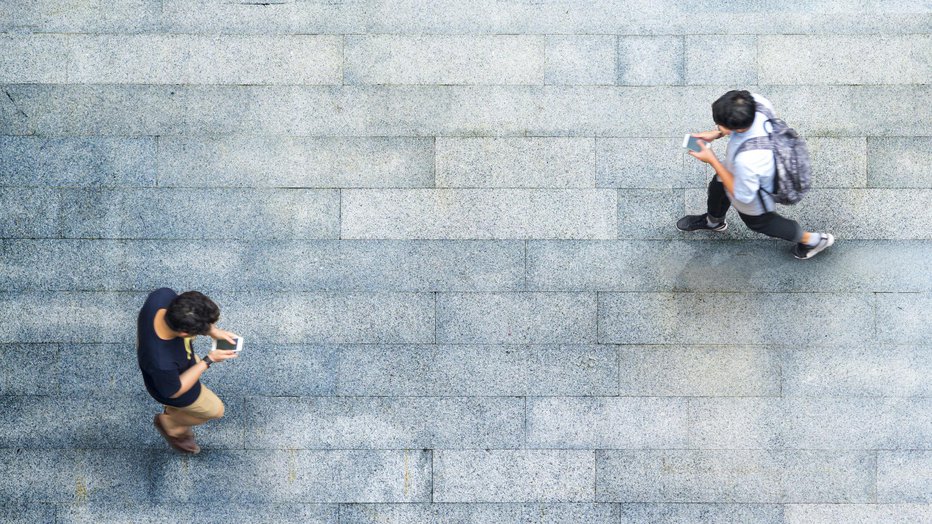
(770, 224)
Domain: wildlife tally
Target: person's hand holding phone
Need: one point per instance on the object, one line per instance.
(219, 355)
(220, 334)
(708, 136)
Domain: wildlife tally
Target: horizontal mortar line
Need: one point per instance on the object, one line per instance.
(169, 32)
(128, 188)
(141, 395)
(349, 87)
(590, 292)
(622, 346)
(478, 448)
(465, 136)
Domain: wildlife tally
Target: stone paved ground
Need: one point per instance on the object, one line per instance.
(446, 230)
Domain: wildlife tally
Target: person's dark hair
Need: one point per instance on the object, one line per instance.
(192, 312)
(734, 110)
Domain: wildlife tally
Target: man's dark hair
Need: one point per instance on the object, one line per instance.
(192, 312)
(734, 110)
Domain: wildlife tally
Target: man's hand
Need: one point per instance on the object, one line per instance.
(708, 136)
(219, 334)
(219, 355)
(706, 155)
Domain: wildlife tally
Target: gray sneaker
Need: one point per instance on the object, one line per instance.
(802, 251)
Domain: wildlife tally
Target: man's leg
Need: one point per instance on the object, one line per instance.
(773, 225)
(714, 219)
(179, 421)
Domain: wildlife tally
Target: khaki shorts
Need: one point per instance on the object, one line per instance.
(207, 406)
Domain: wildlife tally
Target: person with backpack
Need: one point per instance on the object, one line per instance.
(766, 163)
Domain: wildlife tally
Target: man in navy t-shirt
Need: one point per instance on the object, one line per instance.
(167, 324)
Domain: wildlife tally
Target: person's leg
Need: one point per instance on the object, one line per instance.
(718, 201)
(774, 225)
(179, 421)
(714, 219)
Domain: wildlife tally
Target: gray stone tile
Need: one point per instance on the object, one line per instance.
(838, 162)
(513, 476)
(899, 162)
(69, 317)
(749, 476)
(485, 513)
(846, 213)
(29, 369)
(90, 371)
(26, 513)
(857, 513)
(116, 265)
(702, 371)
(559, 162)
(858, 423)
(516, 318)
(717, 60)
(762, 265)
(478, 213)
(276, 161)
(870, 370)
(385, 423)
(733, 318)
(640, 163)
(277, 370)
(706, 513)
(201, 59)
(580, 60)
(902, 318)
(29, 213)
(363, 110)
(207, 512)
(33, 59)
(904, 476)
(649, 213)
(661, 17)
(129, 16)
(219, 16)
(607, 423)
(454, 370)
(201, 213)
(57, 162)
(443, 59)
(44, 476)
(853, 110)
(105, 422)
(845, 59)
(292, 476)
(650, 60)
(307, 318)
(735, 423)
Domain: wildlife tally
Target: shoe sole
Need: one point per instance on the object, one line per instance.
(816, 250)
(717, 230)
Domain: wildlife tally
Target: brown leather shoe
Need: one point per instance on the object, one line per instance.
(185, 444)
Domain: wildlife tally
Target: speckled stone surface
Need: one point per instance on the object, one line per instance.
(445, 229)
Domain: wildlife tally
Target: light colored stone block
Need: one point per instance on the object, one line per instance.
(899, 162)
(650, 60)
(845, 59)
(435, 59)
(275, 161)
(717, 60)
(515, 162)
(478, 213)
(513, 476)
(195, 59)
(581, 60)
(385, 423)
(732, 318)
(516, 318)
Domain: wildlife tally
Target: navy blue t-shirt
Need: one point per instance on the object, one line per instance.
(163, 361)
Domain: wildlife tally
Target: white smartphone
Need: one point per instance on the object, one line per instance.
(692, 143)
(223, 344)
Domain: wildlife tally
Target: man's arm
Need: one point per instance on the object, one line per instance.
(193, 373)
(708, 156)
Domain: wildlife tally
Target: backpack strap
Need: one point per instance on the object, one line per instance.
(753, 144)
